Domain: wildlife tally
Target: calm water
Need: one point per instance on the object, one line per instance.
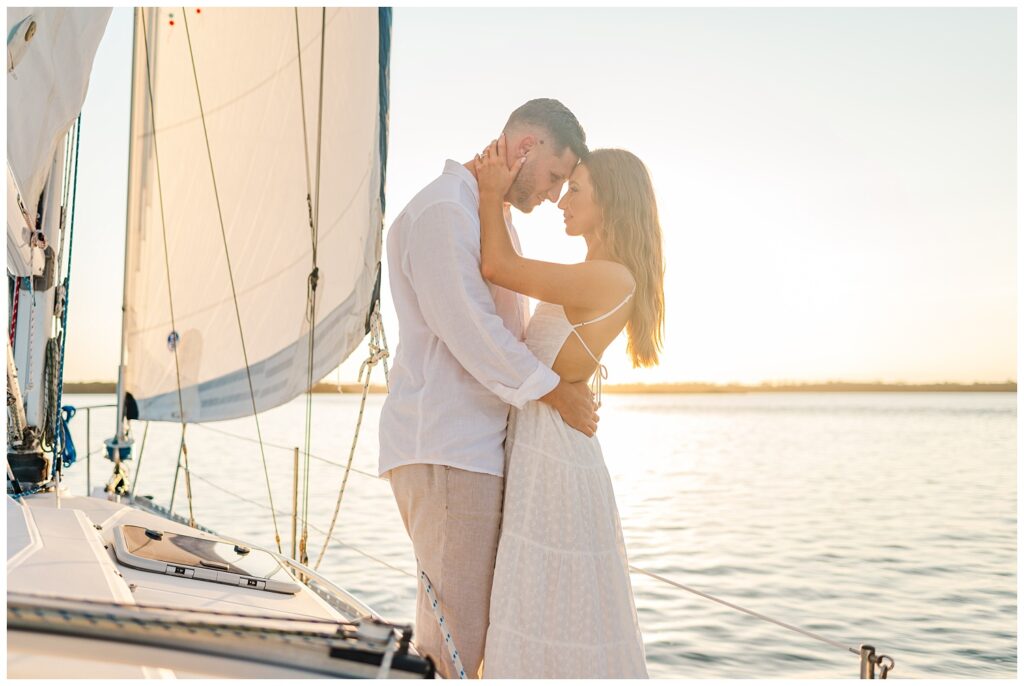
(884, 518)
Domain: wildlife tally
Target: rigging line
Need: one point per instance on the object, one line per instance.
(367, 366)
(188, 478)
(285, 447)
(14, 311)
(29, 381)
(167, 267)
(177, 470)
(65, 197)
(302, 103)
(344, 480)
(72, 194)
(314, 277)
(312, 526)
(758, 615)
(231, 278)
(384, 346)
(319, 124)
(67, 163)
(310, 294)
(70, 153)
(54, 367)
(138, 464)
(95, 407)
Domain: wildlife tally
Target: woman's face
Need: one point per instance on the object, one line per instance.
(582, 215)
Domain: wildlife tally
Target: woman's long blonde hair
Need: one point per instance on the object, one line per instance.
(632, 235)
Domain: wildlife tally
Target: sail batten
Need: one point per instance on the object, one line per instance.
(244, 152)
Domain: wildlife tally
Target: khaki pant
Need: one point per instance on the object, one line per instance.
(452, 516)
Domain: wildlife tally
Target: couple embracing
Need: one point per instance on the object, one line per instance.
(513, 519)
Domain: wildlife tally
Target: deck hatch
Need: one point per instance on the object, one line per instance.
(203, 559)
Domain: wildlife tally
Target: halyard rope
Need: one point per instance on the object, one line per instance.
(167, 272)
(313, 209)
(231, 279)
(310, 297)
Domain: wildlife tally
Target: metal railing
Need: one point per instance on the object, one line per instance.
(88, 442)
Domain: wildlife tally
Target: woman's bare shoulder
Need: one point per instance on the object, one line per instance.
(619, 279)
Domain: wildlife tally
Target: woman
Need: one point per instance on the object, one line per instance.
(562, 604)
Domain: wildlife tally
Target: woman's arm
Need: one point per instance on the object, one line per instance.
(592, 284)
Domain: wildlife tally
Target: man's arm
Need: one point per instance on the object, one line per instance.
(443, 263)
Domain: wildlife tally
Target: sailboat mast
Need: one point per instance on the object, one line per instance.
(119, 435)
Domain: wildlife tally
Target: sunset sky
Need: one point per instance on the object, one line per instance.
(837, 187)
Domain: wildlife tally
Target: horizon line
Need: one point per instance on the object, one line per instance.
(98, 387)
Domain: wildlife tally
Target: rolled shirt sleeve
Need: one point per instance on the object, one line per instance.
(443, 264)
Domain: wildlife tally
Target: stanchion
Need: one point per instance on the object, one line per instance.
(295, 504)
(88, 450)
(867, 662)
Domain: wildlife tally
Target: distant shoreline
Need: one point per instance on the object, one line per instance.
(98, 387)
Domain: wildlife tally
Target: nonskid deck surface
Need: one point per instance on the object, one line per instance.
(63, 576)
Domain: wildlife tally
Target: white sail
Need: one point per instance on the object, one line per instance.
(224, 165)
(50, 51)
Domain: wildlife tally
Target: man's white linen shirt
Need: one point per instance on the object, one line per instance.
(460, 361)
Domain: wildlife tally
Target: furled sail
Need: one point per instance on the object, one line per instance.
(227, 141)
(50, 51)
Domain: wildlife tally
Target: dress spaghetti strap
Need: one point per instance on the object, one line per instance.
(608, 313)
(602, 371)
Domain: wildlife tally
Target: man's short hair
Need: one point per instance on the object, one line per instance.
(555, 118)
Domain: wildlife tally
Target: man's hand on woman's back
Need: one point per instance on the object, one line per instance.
(576, 405)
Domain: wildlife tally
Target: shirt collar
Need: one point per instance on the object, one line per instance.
(459, 170)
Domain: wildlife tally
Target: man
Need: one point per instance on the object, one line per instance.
(460, 364)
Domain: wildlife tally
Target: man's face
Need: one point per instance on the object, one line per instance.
(542, 176)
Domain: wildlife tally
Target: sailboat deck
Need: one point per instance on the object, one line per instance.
(61, 561)
(69, 536)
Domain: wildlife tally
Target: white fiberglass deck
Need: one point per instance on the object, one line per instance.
(65, 552)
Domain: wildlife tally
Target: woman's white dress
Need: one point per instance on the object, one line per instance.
(562, 603)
